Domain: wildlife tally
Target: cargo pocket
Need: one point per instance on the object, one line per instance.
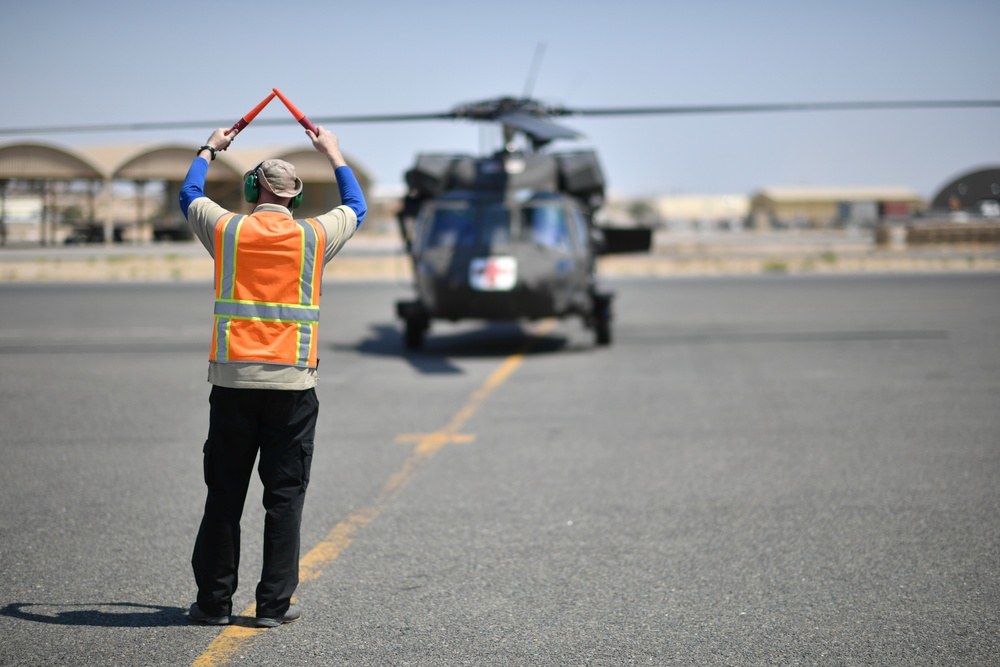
(206, 452)
(307, 458)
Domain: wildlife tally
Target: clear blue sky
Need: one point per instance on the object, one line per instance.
(110, 62)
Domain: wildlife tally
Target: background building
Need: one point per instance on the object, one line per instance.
(976, 192)
(131, 191)
(815, 207)
(679, 212)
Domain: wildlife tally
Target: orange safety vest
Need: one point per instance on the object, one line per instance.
(268, 270)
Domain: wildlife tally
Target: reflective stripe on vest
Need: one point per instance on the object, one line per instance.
(267, 281)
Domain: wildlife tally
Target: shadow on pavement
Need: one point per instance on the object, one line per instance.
(492, 340)
(98, 614)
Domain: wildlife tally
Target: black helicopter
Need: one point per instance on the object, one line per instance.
(509, 236)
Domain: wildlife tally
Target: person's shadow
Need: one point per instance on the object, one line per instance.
(98, 614)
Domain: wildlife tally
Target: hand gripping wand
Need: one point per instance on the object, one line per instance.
(243, 122)
(299, 116)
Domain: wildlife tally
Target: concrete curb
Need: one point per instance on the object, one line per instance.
(169, 267)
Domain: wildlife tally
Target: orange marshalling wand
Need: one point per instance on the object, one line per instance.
(243, 122)
(299, 116)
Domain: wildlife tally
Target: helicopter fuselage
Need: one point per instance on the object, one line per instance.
(492, 258)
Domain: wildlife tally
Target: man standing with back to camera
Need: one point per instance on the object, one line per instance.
(262, 367)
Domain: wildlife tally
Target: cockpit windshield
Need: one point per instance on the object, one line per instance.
(491, 224)
(546, 226)
(451, 226)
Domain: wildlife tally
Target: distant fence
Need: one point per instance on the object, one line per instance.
(943, 232)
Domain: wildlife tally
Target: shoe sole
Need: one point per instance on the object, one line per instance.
(273, 622)
(196, 615)
(211, 621)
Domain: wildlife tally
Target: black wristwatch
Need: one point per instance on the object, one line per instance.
(209, 148)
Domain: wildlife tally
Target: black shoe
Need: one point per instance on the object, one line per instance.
(196, 614)
(292, 614)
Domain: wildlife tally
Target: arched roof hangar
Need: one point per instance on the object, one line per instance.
(39, 164)
(143, 162)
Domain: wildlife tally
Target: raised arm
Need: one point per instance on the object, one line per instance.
(194, 182)
(326, 142)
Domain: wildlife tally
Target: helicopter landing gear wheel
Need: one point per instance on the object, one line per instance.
(601, 318)
(417, 321)
(602, 332)
(416, 327)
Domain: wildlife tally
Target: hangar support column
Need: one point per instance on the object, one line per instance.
(108, 206)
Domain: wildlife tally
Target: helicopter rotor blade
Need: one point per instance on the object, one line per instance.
(386, 118)
(512, 113)
(536, 64)
(760, 108)
(537, 127)
(188, 124)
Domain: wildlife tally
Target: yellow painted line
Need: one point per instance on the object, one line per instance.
(227, 644)
(235, 638)
(456, 439)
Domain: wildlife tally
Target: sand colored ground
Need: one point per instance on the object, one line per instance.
(381, 258)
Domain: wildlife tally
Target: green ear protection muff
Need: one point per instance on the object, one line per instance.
(251, 188)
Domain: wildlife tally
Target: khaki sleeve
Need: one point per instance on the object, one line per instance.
(340, 224)
(203, 213)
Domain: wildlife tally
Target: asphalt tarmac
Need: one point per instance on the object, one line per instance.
(769, 470)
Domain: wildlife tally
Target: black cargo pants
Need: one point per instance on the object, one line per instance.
(281, 425)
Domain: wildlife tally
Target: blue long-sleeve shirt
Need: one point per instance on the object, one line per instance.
(350, 191)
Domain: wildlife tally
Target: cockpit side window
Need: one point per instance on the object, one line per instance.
(582, 231)
(546, 226)
(449, 227)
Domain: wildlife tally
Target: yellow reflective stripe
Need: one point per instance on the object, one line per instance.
(266, 312)
(227, 285)
(308, 267)
(222, 338)
(309, 241)
(230, 238)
